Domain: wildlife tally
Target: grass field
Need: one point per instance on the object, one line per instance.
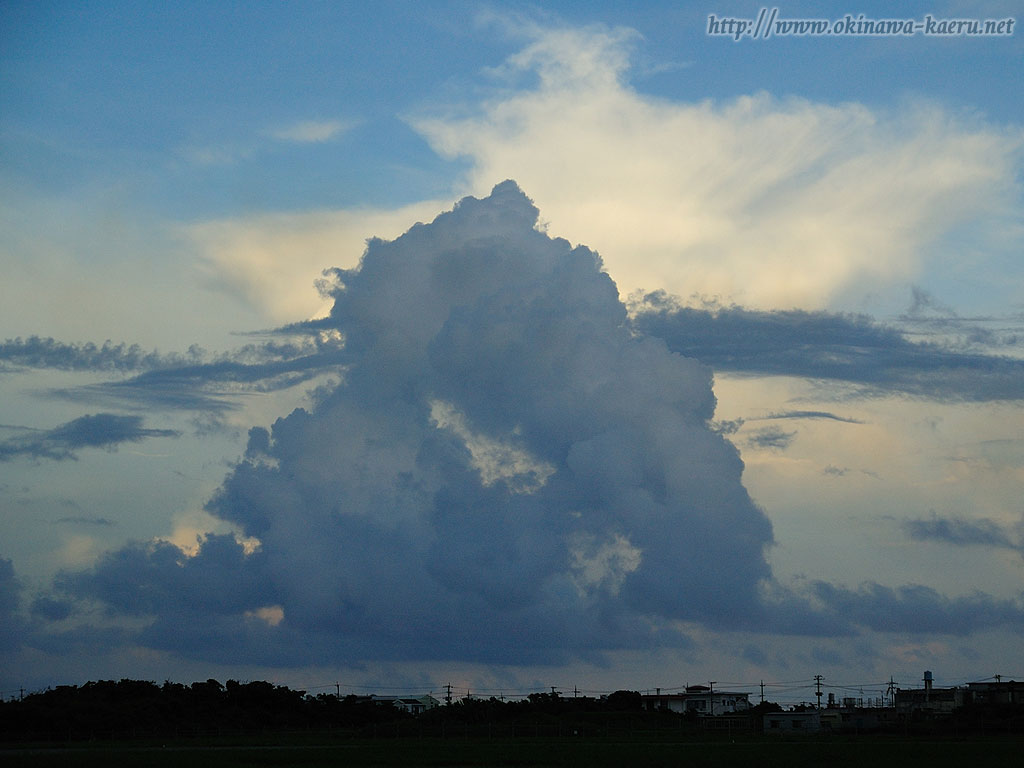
(759, 752)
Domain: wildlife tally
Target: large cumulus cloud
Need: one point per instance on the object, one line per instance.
(511, 471)
(507, 473)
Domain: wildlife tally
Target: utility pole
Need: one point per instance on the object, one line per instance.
(575, 691)
(711, 695)
(448, 695)
(817, 682)
(338, 687)
(762, 691)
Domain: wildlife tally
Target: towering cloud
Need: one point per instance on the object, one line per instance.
(507, 472)
(510, 471)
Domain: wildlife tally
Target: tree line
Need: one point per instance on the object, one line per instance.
(129, 708)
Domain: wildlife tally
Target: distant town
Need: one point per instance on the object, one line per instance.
(131, 708)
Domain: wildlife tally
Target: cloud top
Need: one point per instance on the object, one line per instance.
(764, 201)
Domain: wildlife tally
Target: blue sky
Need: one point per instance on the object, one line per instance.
(815, 246)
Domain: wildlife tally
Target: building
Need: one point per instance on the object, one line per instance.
(807, 721)
(414, 705)
(996, 693)
(700, 699)
(928, 701)
(857, 719)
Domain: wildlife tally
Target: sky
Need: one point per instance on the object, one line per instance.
(509, 346)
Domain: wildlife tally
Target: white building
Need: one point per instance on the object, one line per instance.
(700, 699)
(411, 704)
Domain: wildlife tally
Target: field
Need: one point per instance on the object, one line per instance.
(752, 751)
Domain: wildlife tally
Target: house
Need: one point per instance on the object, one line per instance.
(807, 721)
(412, 705)
(700, 699)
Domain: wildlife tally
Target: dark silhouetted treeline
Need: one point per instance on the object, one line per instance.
(127, 708)
(110, 709)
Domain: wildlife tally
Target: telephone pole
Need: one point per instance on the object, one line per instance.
(711, 695)
(762, 691)
(817, 682)
(448, 695)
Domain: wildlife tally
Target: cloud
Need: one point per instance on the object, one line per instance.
(312, 131)
(823, 345)
(961, 532)
(83, 520)
(512, 471)
(197, 380)
(11, 625)
(149, 579)
(763, 201)
(273, 261)
(36, 352)
(50, 609)
(102, 430)
(771, 437)
(930, 319)
(918, 609)
(506, 474)
(809, 415)
(209, 386)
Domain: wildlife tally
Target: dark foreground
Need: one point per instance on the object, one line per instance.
(830, 751)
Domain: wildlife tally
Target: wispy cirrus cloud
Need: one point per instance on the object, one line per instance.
(808, 415)
(771, 438)
(963, 532)
(854, 349)
(197, 379)
(228, 153)
(101, 430)
(313, 131)
(39, 352)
